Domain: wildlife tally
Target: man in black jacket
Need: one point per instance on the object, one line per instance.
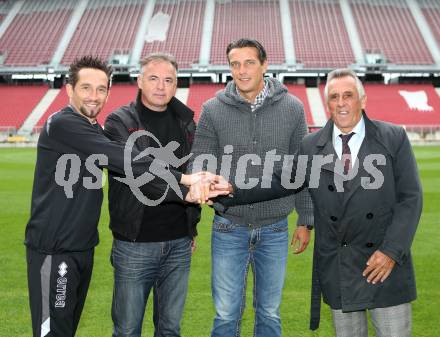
(152, 242)
(66, 200)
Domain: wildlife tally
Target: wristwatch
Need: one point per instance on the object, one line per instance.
(309, 227)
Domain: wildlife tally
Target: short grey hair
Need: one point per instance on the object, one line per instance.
(159, 57)
(344, 72)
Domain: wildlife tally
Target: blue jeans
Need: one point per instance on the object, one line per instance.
(141, 266)
(234, 248)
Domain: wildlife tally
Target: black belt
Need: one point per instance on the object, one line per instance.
(315, 300)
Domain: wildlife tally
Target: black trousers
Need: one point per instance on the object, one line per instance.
(58, 287)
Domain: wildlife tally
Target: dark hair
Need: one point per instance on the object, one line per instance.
(88, 62)
(242, 43)
(159, 57)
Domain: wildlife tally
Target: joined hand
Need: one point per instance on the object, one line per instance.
(204, 186)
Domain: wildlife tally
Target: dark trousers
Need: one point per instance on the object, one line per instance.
(58, 287)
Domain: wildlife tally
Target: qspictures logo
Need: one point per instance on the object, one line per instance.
(290, 170)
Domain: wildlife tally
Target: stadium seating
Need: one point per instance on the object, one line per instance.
(59, 102)
(120, 94)
(18, 102)
(256, 19)
(109, 27)
(300, 92)
(387, 27)
(33, 35)
(319, 34)
(183, 37)
(431, 11)
(404, 104)
(105, 28)
(320, 37)
(199, 93)
(416, 104)
(409, 105)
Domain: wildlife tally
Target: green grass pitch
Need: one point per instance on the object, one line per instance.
(16, 175)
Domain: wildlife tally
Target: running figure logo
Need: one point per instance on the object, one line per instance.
(163, 157)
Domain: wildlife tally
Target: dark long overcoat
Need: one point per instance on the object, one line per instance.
(350, 225)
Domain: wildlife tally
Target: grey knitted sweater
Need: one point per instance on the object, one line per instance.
(279, 124)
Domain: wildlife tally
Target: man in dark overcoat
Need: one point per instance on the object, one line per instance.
(364, 183)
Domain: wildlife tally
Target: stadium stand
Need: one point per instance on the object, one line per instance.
(18, 102)
(387, 27)
(413, 106)
(403, 104)
(180, 32)
(107, 27)
(257, 19)
(431, 11)
(36, 30)
(120, 94)
(300, 92)
(319, 33)
(33, 35)
(200, 93)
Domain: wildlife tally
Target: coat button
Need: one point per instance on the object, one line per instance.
(333, 218)
(331, 188)
(369, 244)
(369, 216)
(344, 244)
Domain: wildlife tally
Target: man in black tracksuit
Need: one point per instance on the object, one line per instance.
(66, 200)
(152, 243)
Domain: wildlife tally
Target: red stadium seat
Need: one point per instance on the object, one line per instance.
(319, 33)
(199, 94)
(300, 92)
(104, 30)
(431, 11)
(390, 29)
(33, 35)
(184, 33)
(388, 103)
(18, 102)
(253, 19)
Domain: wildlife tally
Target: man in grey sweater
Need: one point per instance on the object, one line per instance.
(242, 134)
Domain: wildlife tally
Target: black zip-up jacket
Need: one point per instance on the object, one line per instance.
(126, 211)
(60, 222)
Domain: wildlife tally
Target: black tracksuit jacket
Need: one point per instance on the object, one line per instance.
(60, 224)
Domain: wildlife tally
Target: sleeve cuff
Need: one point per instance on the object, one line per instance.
(391, 249)
(184, 190)
(305, 219)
